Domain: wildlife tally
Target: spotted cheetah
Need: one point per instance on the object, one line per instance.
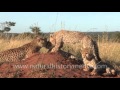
(61, 37)
(89, 60)
(98, 67)
(20, 53)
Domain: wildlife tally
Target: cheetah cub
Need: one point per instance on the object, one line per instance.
(98, 67)
(20, 53)
(89, 61)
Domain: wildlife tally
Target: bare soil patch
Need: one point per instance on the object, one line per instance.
(47, 65)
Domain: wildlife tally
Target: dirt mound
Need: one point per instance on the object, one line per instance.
(49, 65)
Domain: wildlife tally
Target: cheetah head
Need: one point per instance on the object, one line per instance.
(41, 42)
(87, 54)
(52, 39)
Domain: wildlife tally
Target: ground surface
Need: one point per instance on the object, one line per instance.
(36, 66)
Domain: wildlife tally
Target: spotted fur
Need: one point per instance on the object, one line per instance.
(61, 37)
(98, 67)
(20, 53)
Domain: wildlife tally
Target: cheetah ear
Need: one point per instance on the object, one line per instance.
(51, 35)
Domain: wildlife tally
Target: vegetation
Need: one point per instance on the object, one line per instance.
(36, 30)
(109, 47)
(108, 42)
(6, 26)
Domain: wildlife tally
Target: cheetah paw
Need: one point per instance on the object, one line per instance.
(85, 69)
(93, 73)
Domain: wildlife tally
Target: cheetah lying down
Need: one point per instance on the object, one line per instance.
(20, 53)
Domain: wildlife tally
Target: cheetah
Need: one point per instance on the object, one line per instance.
(89, 60)
(61, 37)
(20, 53)
(98, 67)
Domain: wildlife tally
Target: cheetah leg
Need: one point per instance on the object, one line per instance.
(27, 56)
(29, 53)
(86, 68)
(113, 71)
(109, 72)
(72, 57)
(94, 72)
(57, 47)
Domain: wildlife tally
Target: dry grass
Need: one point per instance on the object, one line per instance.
(8, 44)
(109, 51)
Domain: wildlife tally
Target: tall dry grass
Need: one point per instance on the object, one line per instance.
(110, 52)
(9, 44)
(109, 49)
